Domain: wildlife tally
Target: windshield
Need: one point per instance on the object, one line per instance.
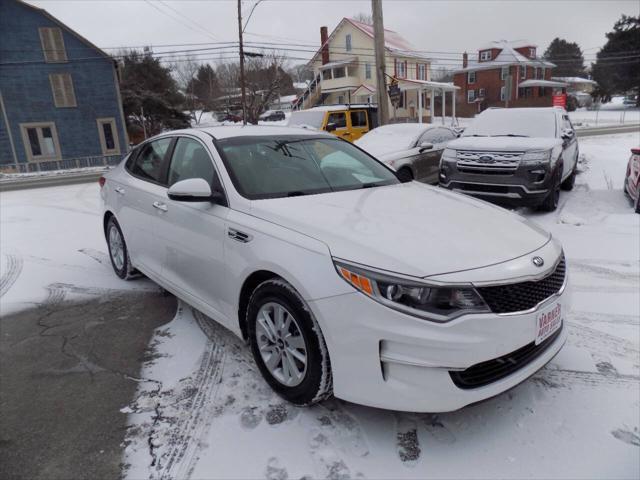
(310, 118)
(292, 165)
(514, 122)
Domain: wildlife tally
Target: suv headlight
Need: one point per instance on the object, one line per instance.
(448, 154)
(431, 302)
(539, 156)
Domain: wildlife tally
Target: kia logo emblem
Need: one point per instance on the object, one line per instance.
(537, 261)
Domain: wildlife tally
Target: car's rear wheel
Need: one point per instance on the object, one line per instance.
(550, 203)
(404, 175)
(118, 250)
(287, 344)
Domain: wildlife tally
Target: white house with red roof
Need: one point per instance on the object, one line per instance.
(344, 70)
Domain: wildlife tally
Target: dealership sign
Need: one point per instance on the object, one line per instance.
(560, 100)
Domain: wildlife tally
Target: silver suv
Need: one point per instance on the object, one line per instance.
(516, 156)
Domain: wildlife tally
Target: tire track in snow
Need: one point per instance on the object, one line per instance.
(100, 257)
(187, 434)
(13, 271)
(592, 317)
(592, 339)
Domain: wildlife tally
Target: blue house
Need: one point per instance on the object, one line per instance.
(60, 102)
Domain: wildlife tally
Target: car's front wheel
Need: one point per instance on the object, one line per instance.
(287, 344)
(118, 250)
(550, 203)
(570, 181)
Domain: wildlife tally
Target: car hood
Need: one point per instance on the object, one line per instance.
(410, 228)
(501, 144)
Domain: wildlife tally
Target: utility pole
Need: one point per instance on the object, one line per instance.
(242, 86)
(378, 38)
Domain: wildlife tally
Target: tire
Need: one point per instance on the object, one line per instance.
(307, 383)
(570, 181)
(405, 175)
(550, 203)
(637, 209)
(119, 256)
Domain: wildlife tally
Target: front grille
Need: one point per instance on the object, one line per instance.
(488, 163)
(517, 297)
(476, 187)
(484, 373)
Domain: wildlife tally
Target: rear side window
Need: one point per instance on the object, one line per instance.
(358, 118)
(338, 118)
(148, 164)
(190, 160)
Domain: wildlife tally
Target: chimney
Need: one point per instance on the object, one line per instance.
(324, 46)
(465, 60)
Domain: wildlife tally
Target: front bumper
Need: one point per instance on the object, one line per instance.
(384, 358)
(529, 185)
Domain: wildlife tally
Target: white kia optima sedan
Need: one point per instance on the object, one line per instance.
(342, 279)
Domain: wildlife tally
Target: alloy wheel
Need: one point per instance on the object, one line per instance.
(281, 344)
(116, 247)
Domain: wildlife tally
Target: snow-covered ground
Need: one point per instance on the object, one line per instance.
(205, 412)
(612, 113)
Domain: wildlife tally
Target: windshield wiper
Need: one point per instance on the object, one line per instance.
(475, 135)
(511, 135)
(296, 193)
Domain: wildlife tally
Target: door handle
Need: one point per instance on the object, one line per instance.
(119, 190)
(160, 206)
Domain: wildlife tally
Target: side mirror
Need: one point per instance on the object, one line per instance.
(193, 190)
(331, 127)
(425, 146)
(567, 134)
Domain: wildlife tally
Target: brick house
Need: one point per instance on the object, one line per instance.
(504, 74)
(60, 101)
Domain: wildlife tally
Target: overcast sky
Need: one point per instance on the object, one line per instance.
(433, 26)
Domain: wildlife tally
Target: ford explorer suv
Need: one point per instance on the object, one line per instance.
(517, 156)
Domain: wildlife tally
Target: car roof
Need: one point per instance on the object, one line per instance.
(228, 131)
(333, 108)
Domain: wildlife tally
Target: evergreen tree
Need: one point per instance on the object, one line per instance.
(567, 57)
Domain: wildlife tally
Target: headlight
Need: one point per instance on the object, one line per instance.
(539, 156)
(435, 303)
(449, 153)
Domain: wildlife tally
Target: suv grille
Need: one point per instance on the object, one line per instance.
(518, 297)
(484, 373)
(488, 163)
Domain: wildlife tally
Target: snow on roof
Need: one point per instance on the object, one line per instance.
(228, 131)
(507, 56)
(574, 80)
(541, 83)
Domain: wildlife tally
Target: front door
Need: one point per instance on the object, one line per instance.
(193, 233)
(358, 123)
(337, 124)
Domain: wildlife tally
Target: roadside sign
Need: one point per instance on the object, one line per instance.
(560, 100)
(394, 93)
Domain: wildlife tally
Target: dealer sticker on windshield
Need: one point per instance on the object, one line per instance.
(548, 322)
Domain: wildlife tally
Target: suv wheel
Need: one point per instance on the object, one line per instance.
(287, 344)
(118, 252)
(570, 181)
(550, 203)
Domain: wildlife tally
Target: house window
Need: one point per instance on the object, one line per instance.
(338, 72)
(532, 52)
(504, 73)
(481, 93)
(503, 93)
(326, 74)
(52, 45)
(422, 72)
(471, 77)
(523, 72)
(485, 55)
(348, 42)
(62, 88)
(367, 71)
(471, 96)
(40, 141)
(536, 73)
(108, 136)
(401, 67)
(340, 99)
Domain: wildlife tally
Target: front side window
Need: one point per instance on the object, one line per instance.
(41, 141)
(52, 44)
(64, 95)
(339, 119)
(348, 42)
(358, 118)
(190, 160)
(436, 136)
(108, 135)
(293, 165)
(148, 164)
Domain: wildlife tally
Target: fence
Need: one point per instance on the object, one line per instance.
(66, 164)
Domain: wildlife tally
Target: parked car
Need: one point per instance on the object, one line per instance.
(632, 179)
(229, 117)
(272, 116)
(349, 122)
(520, 156)
(341, 278)
(413, 150)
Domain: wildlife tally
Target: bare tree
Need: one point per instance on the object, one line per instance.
(266, 80)
(184, 70)
(362, 17)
